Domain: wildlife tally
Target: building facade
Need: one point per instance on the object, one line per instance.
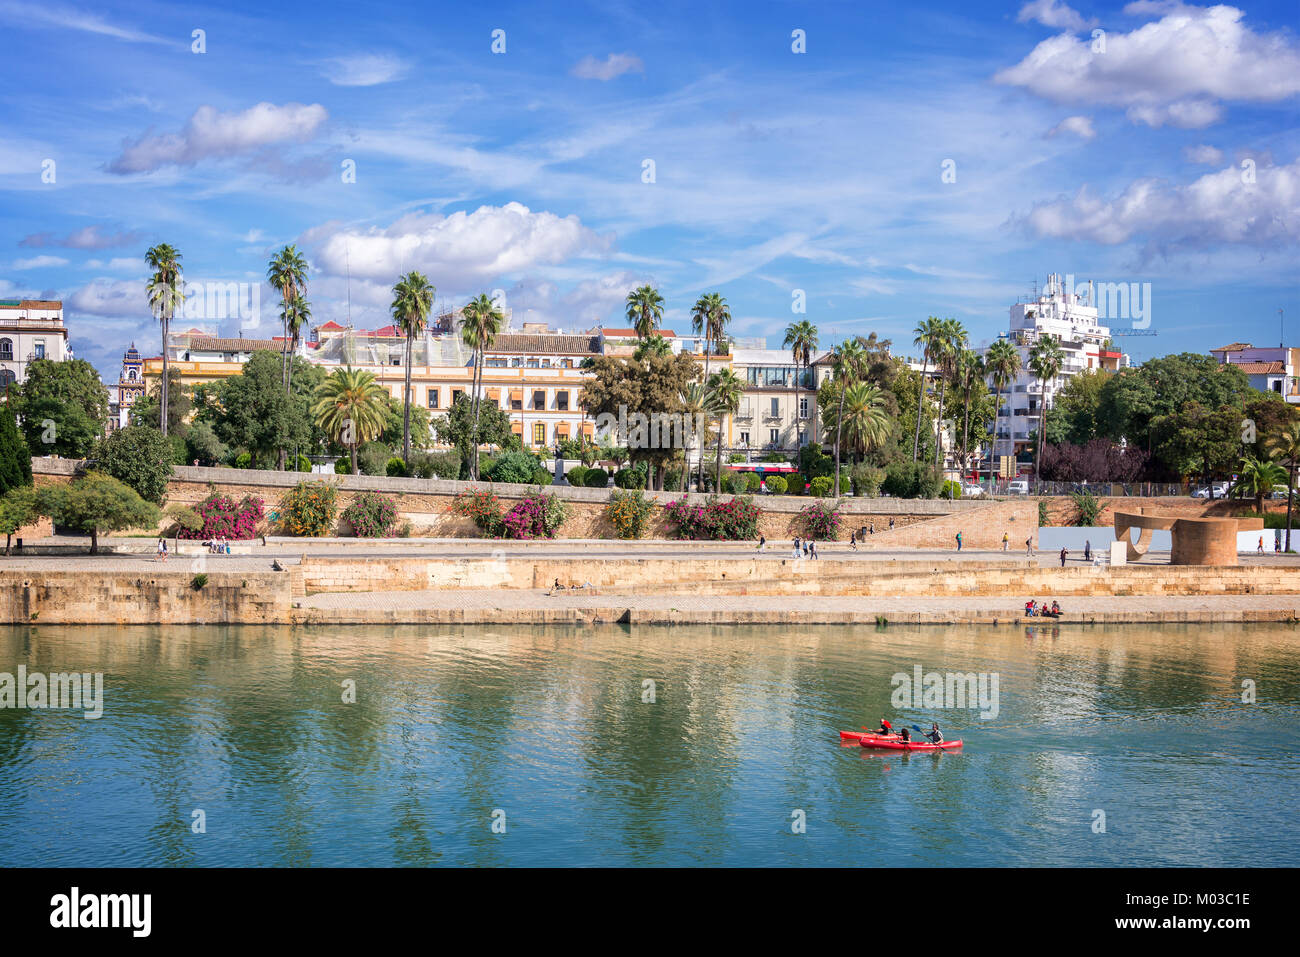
(778, 411)
(30, 329)
(1269, 370)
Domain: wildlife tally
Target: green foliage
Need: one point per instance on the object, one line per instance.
(97, 503)
(15, 458)
(202, 444)
(372, 458)
(814, 462)
(456, 428)
(139, 456)
(821, 486)
(734, 519)
(1131, 401)
(200, 580)
(912, 480)
(309, 509)
(542, 477)
(796, 483)
(1043, 517)
(515, 467)
(183, 518)
(1089, 507)
(482, 506)
(251, 411)
(951, 490)
(443, 465)
(576, 475)
(596, 478)
(1196, 440)
(343, 465)
(629, 512)
(19, 506)
(630, 478)
(867, 480)
(821, 520)
(63, 407)
(776, 484)
(146, 409)
(372, 515)
(752, 482)
(779, 458)
(395, 468)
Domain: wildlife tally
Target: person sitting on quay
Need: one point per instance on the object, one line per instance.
(1056, 609)
(1029, 608)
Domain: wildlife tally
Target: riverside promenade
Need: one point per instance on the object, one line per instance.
(477, 581)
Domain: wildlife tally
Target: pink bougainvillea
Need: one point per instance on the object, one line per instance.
(225, 518)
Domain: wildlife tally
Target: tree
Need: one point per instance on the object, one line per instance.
(1074, 410)
(412, 300)
(287, 273)
(800, 339)
(645, 310)
(19, 508)
(1197, 440)
(710, 316)
(203, 447)
(949, 345)
(63, 407)
(865, 419)
(1256, 480)
(350, 408)
(147, 410)
(1285, 444)
(848, 359)
(1002, 363)
(1133, 398)
(1099, 460)
(970, 375)
(15, 458)
(1045, 360)
(96, 503)
(166, 291)
(929, 336)
(252, 412)
(140, 457)
(479, 328)
(465, 432)
(724, 392)
(692, 401)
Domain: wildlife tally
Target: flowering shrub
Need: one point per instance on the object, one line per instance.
(822, 520)
(629, 512)
(309, 508)
(537, 516)
(731, 520)
(372, 515)
(480, 505)
(222, 517)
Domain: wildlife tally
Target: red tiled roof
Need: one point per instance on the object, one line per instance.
(1235, 347)
(1261, 368)
(331, 325)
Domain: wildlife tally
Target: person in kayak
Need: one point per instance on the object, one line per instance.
(885, 728)
(934, 734)
(905, 734)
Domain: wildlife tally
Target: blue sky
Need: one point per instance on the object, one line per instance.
(774, 171)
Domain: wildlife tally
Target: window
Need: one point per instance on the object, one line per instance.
(546, 363)
(130, 376)
(395, 360)
(744, 438)
(776, 407)
(774, 436)
(803, 407)
(531, 364)
(562, 401)
(6, 348)
(456, 394)
(539, 399)
(566, 363)
(40, 348)
(516, 362)
(433, 398)
(495, 363)
(539, 433)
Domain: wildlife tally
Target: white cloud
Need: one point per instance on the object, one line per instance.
(1206, 155)
(585, 305)
(1080, 126)
(616, 64)
(39, 262)
(117, 264)
(210, 133)
(1053, 13)
(88, 237)
(1174, 70)
(363, 69)
(26, 14)
(460, 249)
(1217, 208)
(109, 297)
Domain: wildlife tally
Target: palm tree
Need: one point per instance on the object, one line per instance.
(694, 404)
(287, 272)
(1285, 444)
(1003, 364)
(350, 407)
(952, 340)
(1258, 476)
(166, 291)
(709, 318)
(865, 417)
(724, 392)
(412, 300)
(480, 323)
(1045, 360)
(847, 362)
(801, 339)
(928, 333)
(645, 310)
(970, 371)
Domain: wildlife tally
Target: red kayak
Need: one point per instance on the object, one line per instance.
(894, 744)
(859, 735)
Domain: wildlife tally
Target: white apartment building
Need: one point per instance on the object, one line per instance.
(1070, 313)
(774, 415)
(30, 329)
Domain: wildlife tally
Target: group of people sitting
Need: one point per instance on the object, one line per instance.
(218, 547)
(585, 586)
(1035, 609)
(886, 730)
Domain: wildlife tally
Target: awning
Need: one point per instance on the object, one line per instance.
(562, 430)
(517, 428)
(589, 429)
(516, 395)
(494, 395)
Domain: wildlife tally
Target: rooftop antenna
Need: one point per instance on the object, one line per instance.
(347, 250)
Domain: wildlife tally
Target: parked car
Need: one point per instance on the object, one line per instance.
(1018, 487)
(971, 490)
(1220, 491)
(1279, 491)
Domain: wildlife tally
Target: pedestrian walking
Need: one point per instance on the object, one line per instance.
(1006, 540)
(1064, 553)
(873, 528)
(762, 543)
(1029, 546)
(812, 550)
(797, 552)
(807, 549)
(162, 550)
(853, 540)
(1261, 545)
(891, 524)
(959, 541)
(1087, 550)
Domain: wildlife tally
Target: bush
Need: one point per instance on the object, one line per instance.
(243, 461)
(794, 483)
(15, 457)
(776, 484)
(443, 465)
(538, 515)
(223, 517)
(867, 480)
(912, 480)
(629, 512)
(752, 482)
(301, 464)
(343, 465)
(480, 505)
(372, 515)
(542, 477)
(575, 475)
(1089, 507)
(139, 457)
(310, 509)
(950, 490)
(1043, 517)
(199, 582)
(814, 462)
(513, 467)
(630, 478)
(596, 478)
(821, 486)
(732, 520)
(395, 468)
(372, 458)
(822, 519)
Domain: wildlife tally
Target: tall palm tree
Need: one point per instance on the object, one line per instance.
(928, 334)
(801, 339)
(480, 323)
(970, 372)
(849, 357)
(350, 407)
(709, 317)
(694, 404)
(412, 301)
(865, 417)
(645, 310)
(1285, 444)
(166, 291)
(952, 340)
(1045, 360)
(1003, 364)
(287, 272)
(724, 392)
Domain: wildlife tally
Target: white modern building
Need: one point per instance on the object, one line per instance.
(30, 329)
(1069, 313)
